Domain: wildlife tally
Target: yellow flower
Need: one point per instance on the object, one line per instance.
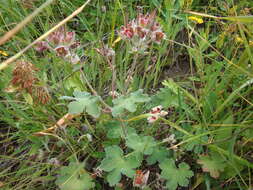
(251, 43)
(238, 39)
(3, 53)
(196, 19)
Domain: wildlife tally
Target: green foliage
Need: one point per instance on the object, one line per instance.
(201, 75)
(128, 102)
(158, 155)
(175, 88)
(115, 130)
(83, 102)
(164, 97)
(211, 164)
(116, 164)
(175, 176)
(74, 177)
(195, 145)
(141, 144)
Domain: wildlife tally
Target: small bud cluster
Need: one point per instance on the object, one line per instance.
(63, 43)
(97, 173)
(156, 112)
(142, 31)
(171, 139)
(23, 77)
(114, 94)
(106, 52)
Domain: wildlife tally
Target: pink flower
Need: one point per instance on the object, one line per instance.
(146, 20)
(62, 51)
(143, 30)
(152, 118)
(41, 46)
(69, 37)
(61, 37)
(63, 43)
(56, 37)
(158, 36)
(126, 32)
(155, 113)
(156, 109)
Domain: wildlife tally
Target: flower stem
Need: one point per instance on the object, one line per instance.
(131, 71)
(94, 91)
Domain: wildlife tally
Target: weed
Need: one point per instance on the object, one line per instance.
(125, 97)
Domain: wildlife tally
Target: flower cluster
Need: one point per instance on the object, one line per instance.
(196, 19)
(155, 113)
(142, 31)
(24, 79)
(63, 43)
(171, 139)
(114, 94)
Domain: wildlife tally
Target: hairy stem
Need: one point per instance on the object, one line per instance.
(93, 90)
(131, 71)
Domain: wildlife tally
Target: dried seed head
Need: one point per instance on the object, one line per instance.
(23, 78)
(41, 95)
(23, 75)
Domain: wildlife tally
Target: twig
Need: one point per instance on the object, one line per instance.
(60, 123)
(18, 27)
(4, 64)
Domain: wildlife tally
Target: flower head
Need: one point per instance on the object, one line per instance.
(24, 79)
(143, 30)
(63, 42)
(155, 113)
(41, 46)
